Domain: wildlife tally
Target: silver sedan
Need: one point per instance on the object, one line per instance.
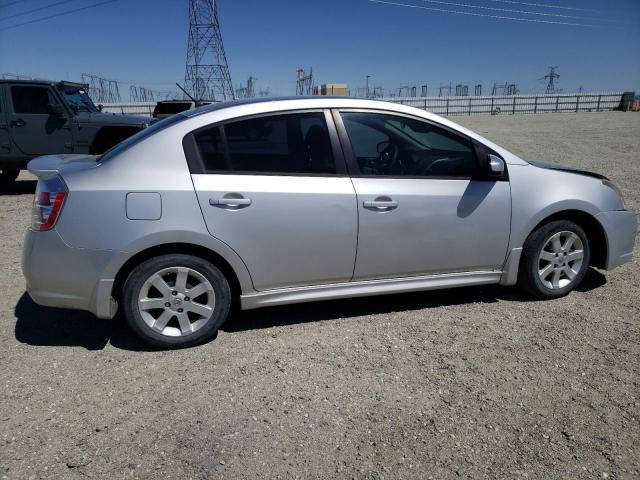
(291, 200)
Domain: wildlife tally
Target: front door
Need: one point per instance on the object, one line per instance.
(275, 189)
(422, 207)
(33, 130)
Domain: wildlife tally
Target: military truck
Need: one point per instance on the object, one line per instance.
(42, 117)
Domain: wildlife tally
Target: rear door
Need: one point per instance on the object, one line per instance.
(275, 189)
(423, 206)
(5, 143)
(33, 130)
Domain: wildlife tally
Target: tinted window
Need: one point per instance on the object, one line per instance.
(289, 144)
(171, 107)
(400, 146)
(209, 143)
(31, 99)
(143, 134)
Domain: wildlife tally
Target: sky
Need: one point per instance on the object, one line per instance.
(596, 44)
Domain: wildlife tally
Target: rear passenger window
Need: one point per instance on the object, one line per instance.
(32, 99)
(278, 144)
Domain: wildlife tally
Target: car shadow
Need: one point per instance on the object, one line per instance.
(19, 187)
(44, 326)
(58, 327)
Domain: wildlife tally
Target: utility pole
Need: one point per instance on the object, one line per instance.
(207, 74)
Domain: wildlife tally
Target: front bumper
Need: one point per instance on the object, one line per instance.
(620, 227)
(61, 276)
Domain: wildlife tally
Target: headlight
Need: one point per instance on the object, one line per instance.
(613, 186)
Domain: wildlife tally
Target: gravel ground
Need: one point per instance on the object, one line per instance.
(468, 383)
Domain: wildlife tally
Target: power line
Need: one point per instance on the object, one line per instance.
(546, 5)
(12, 3)
(498, 17)
(36, 9)
(526, 12)
(58, 15)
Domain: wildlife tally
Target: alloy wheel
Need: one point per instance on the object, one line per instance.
(176, 301)
(560, 260)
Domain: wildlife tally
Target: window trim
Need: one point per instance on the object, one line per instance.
(196, 165)
(354, 167)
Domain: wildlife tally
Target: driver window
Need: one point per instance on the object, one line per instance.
(398, 146)
(31, 99)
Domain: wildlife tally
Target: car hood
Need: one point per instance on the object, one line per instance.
(565, 168)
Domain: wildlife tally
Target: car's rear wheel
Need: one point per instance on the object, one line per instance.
(555, 259)
(176, 300)
(8, 175)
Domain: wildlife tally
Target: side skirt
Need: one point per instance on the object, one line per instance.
(367, 287)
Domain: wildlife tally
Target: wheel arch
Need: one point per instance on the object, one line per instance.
(173, 248)
(591, 226)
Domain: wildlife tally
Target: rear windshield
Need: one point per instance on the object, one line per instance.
(171, 107)
(140, 136)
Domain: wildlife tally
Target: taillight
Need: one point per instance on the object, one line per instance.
(47, 204)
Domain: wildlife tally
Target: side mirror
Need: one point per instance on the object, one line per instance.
(55, 110)
(496, 166)
(100, 107)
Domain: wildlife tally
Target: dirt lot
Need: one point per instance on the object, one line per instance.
(470, 383)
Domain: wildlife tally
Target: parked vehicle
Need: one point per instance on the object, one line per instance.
(166, 108)
(40, 117)
(275, 202)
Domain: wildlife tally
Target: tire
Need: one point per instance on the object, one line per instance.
(548, 272)
(8, 176)
(159, 309)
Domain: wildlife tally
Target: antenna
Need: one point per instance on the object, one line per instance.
(206, 72)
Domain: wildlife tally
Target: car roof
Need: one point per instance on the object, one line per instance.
(317, 101)
(33, 82)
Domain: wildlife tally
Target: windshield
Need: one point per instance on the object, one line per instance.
(78, 99)
(138, 137)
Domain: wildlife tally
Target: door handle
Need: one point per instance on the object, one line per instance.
(231, 200)
(18, 123)
(380, 204)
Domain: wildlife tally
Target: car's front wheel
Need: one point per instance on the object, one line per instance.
(176, 300)
(555, 259)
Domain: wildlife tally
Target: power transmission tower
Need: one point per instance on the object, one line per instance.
(141, 94)
(247, 92)
(462, 90)
(446, 88)
(478, 92)
(207, 72)
(552, 76)
(424, 90)
(304, 83)
(102, 90)
(403, 91)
